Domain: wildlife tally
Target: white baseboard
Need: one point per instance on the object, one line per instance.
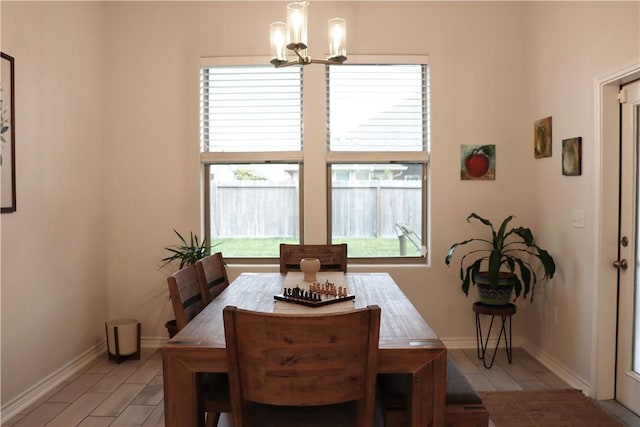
(555, 366)
(21, 402)
(153, 342)
(40, 389)
(462, 343)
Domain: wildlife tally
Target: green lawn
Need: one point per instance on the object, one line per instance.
(259, 248)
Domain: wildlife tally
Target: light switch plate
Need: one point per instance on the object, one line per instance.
(577, 218)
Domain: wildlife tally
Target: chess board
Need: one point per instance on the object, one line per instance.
(312, 298)
(324, 300)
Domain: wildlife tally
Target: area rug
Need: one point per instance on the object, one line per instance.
(545, 408)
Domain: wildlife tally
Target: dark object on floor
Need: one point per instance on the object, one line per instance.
(172, 328)
(545, 408)
(464, 408)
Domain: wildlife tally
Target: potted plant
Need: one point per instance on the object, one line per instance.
(188, 253)
(502, 262)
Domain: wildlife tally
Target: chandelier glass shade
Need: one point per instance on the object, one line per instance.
(292, 36)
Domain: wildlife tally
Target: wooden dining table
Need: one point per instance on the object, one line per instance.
(407, 344)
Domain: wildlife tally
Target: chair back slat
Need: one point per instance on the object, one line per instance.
(186, 295)
(302, 360)
(213, 276)
(332, 257)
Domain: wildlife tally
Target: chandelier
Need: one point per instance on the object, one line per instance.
(293, 36)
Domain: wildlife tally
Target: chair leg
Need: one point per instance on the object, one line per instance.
(212, 419)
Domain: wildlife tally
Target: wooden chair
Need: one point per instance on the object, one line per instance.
(215, 396)
(332, 257)
(213, 280)
(213, 276)
(464, 407)
(186, 292)
(186, 295)
(302, 370)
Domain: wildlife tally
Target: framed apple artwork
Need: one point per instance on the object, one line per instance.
(478, 162)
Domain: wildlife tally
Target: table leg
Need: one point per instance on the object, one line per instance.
(180, 397)
(428, 393)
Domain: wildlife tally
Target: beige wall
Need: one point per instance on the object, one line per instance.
(54, 286)
(495, 68)
(566, 53)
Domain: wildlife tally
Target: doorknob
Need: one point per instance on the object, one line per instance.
(621, 265)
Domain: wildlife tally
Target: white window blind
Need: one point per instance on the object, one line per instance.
(250, 109)
(377, 107)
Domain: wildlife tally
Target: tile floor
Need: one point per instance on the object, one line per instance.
(106, 394)
(130, 394)
(523, 373)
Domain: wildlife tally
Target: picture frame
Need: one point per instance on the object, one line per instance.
(478, 162)
(7, 134)
(542, 138)
(572, 156)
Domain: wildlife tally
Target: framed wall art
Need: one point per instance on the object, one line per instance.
(542, 138)
(7, 135)
(572, 156)
(478, 162)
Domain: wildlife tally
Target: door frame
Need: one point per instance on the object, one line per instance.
(605, 297)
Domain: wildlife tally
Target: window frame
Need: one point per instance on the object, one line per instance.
(208, 158)
(374, 157)
(206, 201)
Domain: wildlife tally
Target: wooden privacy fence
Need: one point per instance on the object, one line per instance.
(361, 209)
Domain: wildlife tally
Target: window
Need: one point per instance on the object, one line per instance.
(377, 139)
(377, 107)
(375, 154)
(254, 108)
(251, 142)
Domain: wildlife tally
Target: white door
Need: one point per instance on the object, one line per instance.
(628, 263)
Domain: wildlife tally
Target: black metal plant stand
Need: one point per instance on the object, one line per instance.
(505, 312)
